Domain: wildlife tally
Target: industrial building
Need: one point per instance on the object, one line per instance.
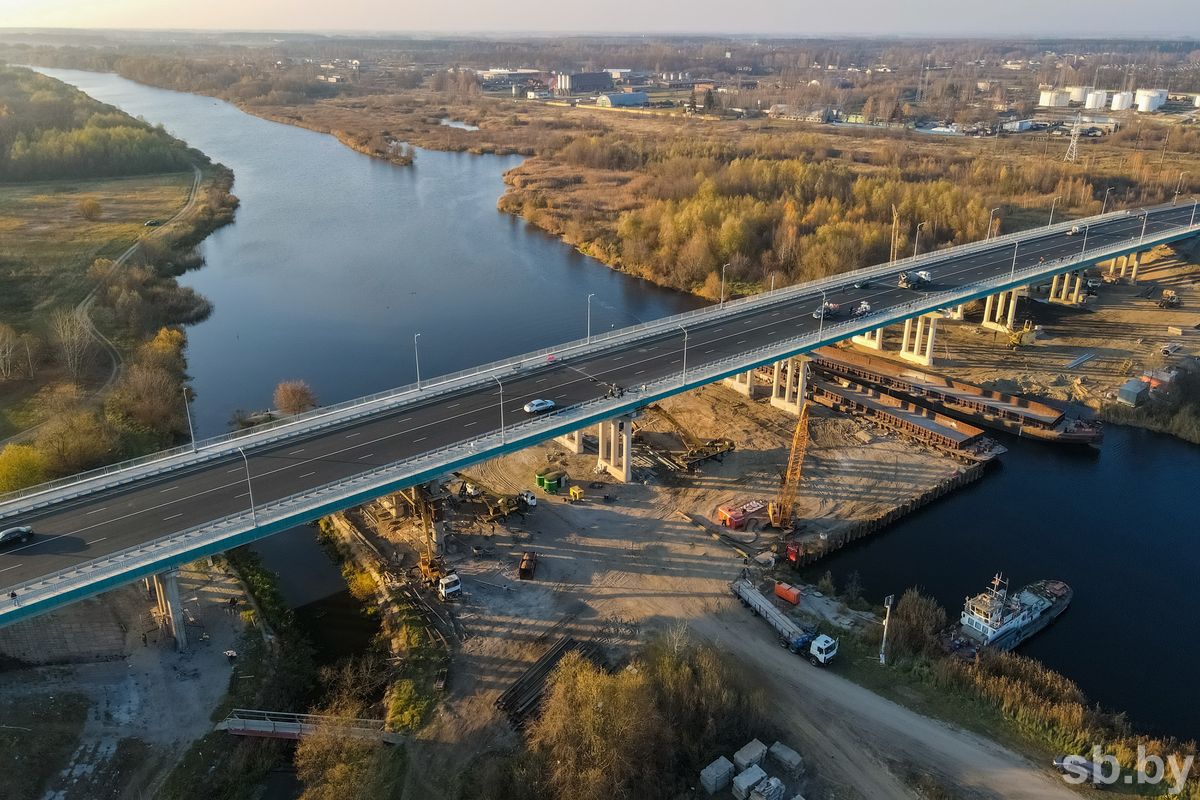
(623, 100)
(1150, 100)
(583, 82)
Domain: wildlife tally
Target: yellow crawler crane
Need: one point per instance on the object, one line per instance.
(782, 510)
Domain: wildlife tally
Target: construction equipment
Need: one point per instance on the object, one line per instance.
(575, 493)
(497, 505)
(430, 563)
(696, 449)
(1019, 338)
(1169, 299)
(782, 510)
(449, 587)
(818, 648)
(528, 566)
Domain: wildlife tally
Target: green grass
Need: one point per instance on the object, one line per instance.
(39, 733)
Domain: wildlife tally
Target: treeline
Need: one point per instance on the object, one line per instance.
(788, 207)
(49, 130)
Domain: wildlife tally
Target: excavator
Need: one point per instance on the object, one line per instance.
(1020, 338)
(748, 514)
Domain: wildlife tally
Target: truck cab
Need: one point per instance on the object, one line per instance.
(822, 650)
(449, 587)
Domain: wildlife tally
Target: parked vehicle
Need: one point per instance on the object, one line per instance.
(539, 406)
(449, 587)
(1171, 348)
(19, 534)
(818, 648)
(528, 565)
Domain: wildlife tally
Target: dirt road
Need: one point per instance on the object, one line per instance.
(852, 733)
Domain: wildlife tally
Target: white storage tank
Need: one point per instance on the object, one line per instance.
(1079, 94)
(1197, 100)
(1148, 100)
(1096, 99)
(1053, 98)
(1122, 101)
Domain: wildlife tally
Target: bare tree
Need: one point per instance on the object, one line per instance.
(32, 347)
(10, 352)
(72, 332)
(294, 397)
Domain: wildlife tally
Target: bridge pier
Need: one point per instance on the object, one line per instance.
(1133, 260)
(742, 383)
(872, 339)
(170, 610)
(1000, 311)
(573, 441)
(615, 438)
(790, 384)
(1067, 288)
(958, 313)
(919, 337)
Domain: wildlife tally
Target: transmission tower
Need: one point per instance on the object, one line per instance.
(1073, 147)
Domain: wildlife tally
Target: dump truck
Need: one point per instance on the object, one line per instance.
(818, 648)
(449, 587)
(915, 279)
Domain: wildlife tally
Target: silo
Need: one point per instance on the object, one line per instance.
(1046, 97)
(1197, 99)
(1096, 99)
(1122, 101)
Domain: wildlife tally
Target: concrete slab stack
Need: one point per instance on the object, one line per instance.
(753, 753)
(770, 789)
(744, 783)
(789, 761)
(716, 776)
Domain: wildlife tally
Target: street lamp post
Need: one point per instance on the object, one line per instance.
(1085, 234)
(187, 409)
(249, 488)
(1012, 272)
(821, 322)
(1052, 204)
(1145, 219)
(723, 268)
(990, 216)
(1104, 207)
(417, 359)
(589, 317)
(501, 385)
(917, 239)
(683, 377)
(1194, 201)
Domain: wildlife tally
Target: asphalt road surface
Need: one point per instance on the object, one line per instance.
(92, 527)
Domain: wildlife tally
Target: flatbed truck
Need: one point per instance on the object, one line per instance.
(818, 648)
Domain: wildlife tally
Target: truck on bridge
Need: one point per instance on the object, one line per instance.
(915, 279)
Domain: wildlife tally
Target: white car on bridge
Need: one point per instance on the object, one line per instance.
(539, 406)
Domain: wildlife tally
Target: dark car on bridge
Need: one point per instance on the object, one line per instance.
(21, 533)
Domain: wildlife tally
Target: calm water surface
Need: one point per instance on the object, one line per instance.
(336, 261)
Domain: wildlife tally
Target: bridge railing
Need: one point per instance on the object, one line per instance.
(277, 431)
(247, 715)
(180, 546)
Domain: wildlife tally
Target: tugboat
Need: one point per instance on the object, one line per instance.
(994, 618)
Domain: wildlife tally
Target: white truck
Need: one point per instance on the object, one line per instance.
(818, 648)
(861, 310)
(449, 587)
(915, 279)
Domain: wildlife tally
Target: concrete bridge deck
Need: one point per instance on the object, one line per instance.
(128, 521)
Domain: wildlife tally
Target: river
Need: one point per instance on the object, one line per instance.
(336, 260)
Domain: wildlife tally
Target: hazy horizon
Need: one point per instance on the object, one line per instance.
(774, 18)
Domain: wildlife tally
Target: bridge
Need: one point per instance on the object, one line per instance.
(283, 725)
(142, 518)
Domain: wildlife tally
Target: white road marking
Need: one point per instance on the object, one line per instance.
(306, 475)
(295, 452)
(352, 435)
(173, 516)
(706, 352)
(95, 541)
(97, 511)
(469, 424)
(676, 361)
(14, 566)
(368, 455)
(423, 438)
(169, 489)
(454, 405)
(235, 469)
(541, 380)
(240, 496)
(639, 372)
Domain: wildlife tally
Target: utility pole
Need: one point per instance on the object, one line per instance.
(1073, 147)
(895, 233)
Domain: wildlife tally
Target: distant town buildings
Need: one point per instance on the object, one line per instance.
(583, 82)
(623, 100)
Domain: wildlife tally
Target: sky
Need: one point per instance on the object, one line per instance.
(978, 18)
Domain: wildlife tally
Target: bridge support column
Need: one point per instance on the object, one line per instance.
(1065, 289)
(170, 610)
(573, 441)
(1078, 290)
(872, 339)
(616, 447)
(999, 310)
(958, 313)
(1135, 260)
(919, 346)
(743, 383)
(790, 384)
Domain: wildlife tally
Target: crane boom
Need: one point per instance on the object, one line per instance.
(782, 510)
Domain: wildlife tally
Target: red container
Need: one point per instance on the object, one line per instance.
(788, 592)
